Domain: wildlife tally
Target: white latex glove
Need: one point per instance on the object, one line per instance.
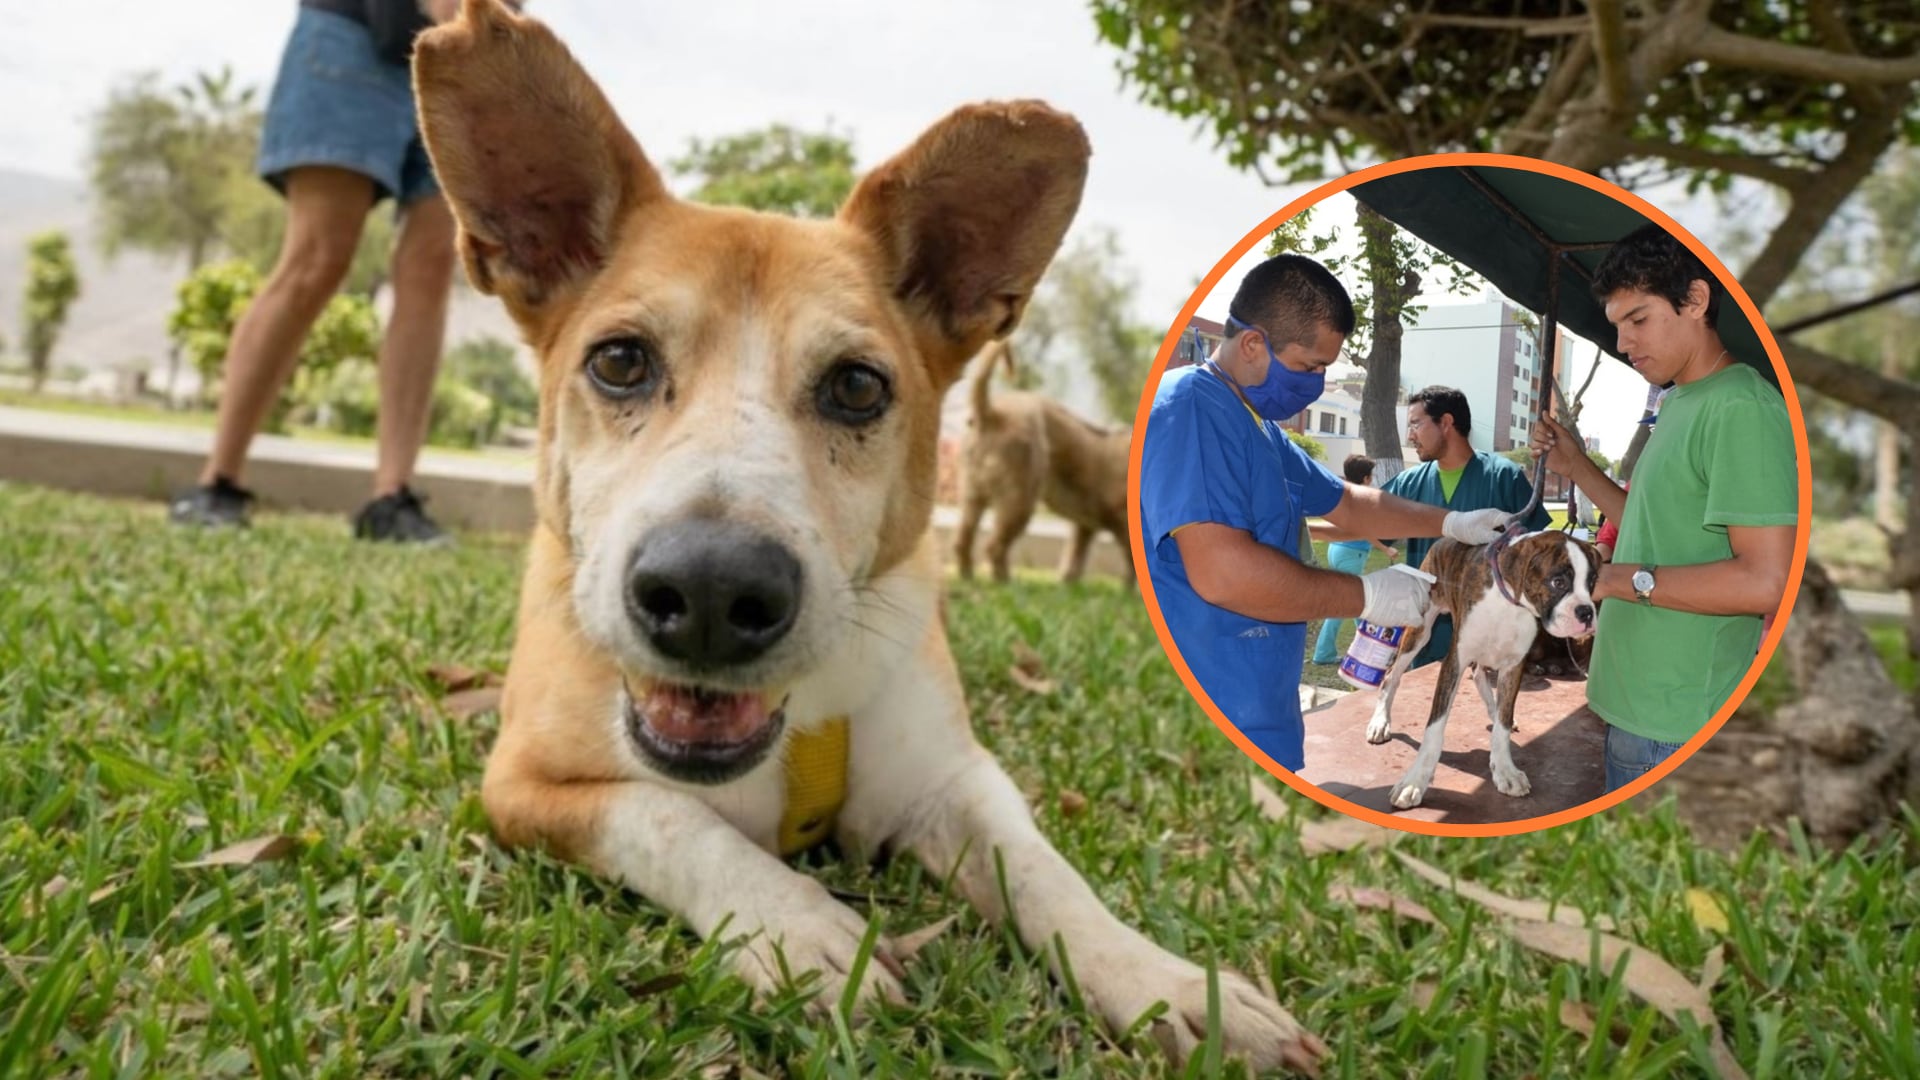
(1475, 526)
(1395, 598)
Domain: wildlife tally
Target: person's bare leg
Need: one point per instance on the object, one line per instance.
(326, 208)
(423, 260)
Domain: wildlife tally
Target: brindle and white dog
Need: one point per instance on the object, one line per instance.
(1549, 579)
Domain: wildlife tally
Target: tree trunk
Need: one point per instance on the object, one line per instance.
(1393, 287)
(1634, 446)
(1886, 462)
(1841, 759)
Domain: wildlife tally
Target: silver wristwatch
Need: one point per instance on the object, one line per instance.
(1643, 585)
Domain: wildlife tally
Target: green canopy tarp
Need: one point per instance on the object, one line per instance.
(1510, 225)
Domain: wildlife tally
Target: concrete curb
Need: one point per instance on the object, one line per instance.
(129, 459)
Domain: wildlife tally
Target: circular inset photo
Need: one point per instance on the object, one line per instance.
(1469, 494)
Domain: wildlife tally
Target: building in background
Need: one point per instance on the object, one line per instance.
(1197, 342)
(1486, 352)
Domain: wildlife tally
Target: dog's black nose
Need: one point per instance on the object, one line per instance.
(1584, 613)
(712, 593)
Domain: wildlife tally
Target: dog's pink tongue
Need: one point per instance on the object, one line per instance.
(686, 714)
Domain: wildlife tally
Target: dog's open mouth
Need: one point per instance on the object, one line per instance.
(701, 735)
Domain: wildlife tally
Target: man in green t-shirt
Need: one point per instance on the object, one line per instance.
(1706, 537)
(1453, 474)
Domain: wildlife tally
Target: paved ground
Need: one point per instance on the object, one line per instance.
(485, 492)
(1557, 743)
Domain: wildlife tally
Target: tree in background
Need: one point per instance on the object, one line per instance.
(1079, 320)
(1391, 265)
(776, 168)
(163, 160)
(53, 283)
(1802, 97)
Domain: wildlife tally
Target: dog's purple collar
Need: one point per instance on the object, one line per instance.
(1512, 532)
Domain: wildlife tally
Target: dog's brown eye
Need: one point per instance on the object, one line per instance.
(854, 393)
(623, 367)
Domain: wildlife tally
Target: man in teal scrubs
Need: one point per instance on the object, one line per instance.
(1707, 535)
(1453, 474)
(1224, 492)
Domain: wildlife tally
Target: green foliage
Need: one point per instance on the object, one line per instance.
(461, 416)
(1078, 319)
(776, 168)
(1382, 274)
(1314, 447)
(206, 306)
(210, 302)
(53, 283)
(487, 365)
(1311, 90)
(164, 162)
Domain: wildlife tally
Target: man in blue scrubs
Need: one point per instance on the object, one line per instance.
(1224, 492)
(1453, 474)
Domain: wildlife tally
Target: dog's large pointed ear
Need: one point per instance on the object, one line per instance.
(968, 218)
(537, 167)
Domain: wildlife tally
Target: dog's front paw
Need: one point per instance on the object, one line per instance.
(819, 934)
(1407, 794)
(1510, 780)
(1377, 728)
(1253, 1027)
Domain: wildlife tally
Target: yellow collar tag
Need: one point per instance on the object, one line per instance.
(816, 785)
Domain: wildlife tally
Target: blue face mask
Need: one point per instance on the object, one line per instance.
(1284, 392)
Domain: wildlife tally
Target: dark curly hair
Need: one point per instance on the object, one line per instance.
(1292, 298)
(1650, 259)
(1439, 401)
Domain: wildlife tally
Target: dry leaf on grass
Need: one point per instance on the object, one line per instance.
(1072, 803)
(1583, 1018)
(659, 984)
(906, 945)
(1536, 910)
(1382, 900)
(1422, 993)
(1029, 672)
(1714, 966)
(247, 852)
(1268, 800)
(1333, 834)
(454, 678)
(1706, 910)
(467, 704)
(1647, 977)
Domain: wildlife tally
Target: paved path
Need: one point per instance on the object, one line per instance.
(488, 491)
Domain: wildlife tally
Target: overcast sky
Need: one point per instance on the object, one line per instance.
(881, 71)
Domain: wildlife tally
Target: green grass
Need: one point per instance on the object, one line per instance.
(163, 694)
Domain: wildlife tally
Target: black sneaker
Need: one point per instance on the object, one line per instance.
(220, 505)
(398, 517)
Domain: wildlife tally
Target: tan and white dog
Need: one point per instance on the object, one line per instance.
(1023, 449)
(732, 574)
(1549, 580)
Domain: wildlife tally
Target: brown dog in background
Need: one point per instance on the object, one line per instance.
(1023, 449)
(733, 561)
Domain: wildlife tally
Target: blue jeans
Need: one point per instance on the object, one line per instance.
(1629, 757)
(1347, 560)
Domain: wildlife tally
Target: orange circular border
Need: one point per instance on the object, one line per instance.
(1145, 578)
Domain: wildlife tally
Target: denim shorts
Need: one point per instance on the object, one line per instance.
(1629, 757)
(335, 102)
